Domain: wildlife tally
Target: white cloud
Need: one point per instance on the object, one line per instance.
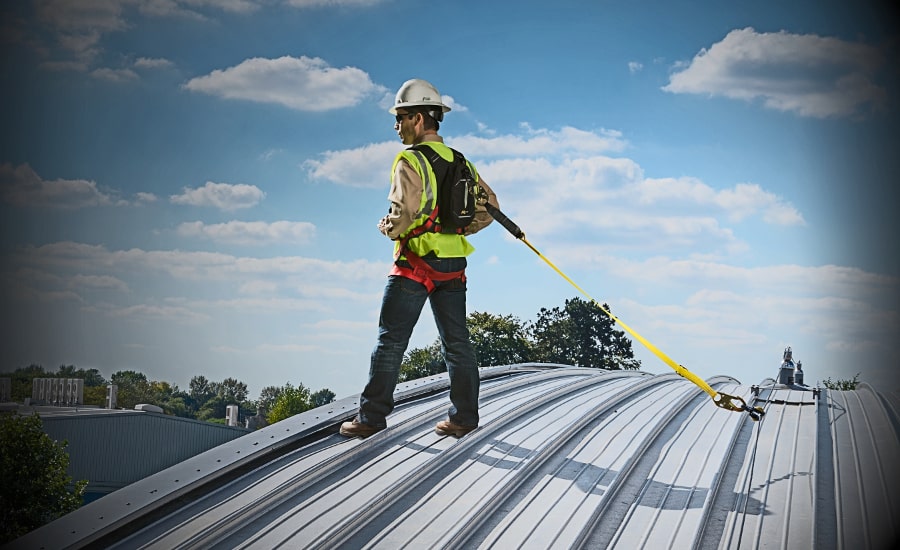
(340, 325)
(22, 186)
(79, 16)
(98, 282)
(192, 266)
(542, 143)
(807, 74)
(188, 287)
(224, 196)
(143, 312)
(782, 280)
(114, 75)
(365, 166)
(258, 287)
(78, 28)
(251, 233)
(739, 202)
(165, 8)
(145, 198)
(541, 173)
(453, 104)
(635, 67)
(266, 156)
(303, 84)
(152, 63)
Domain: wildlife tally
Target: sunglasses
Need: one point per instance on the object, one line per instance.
(399, 116)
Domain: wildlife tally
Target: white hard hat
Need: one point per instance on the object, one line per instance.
(419, 93)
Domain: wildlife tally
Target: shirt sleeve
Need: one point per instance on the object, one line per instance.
(405, 199)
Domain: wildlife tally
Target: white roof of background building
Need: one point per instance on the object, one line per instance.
(564, 457)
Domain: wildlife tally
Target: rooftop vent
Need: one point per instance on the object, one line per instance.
(59, 392)
(231, 415)
(786, 372)
(790, 373)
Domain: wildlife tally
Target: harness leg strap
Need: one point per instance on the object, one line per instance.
(423, 273)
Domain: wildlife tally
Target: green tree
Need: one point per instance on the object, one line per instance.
(214, 409)
(231, 390)
(32, 371)
(95, 395)
(842, 384)
(172, 400)
(34, 485)
(21, 380)
(422, 362)
(267, 397)
(94, 386)
(200, 390)
(581, 334)
(133, 388)
(92, 377)
(227, 392)
(498, 339)
(321, 397)
(291, 401)
(67, 371)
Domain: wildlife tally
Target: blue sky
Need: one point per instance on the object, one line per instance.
(192, 187)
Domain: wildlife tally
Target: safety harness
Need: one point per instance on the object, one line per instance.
(419, 270)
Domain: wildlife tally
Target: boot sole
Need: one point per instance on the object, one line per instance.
(455, 433)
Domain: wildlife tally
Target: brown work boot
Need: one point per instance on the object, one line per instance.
(447, 427)
(355, 428)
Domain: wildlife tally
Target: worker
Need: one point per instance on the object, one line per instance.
(438, 274)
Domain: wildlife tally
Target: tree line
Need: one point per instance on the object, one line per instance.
(204, 399)
(578, 334)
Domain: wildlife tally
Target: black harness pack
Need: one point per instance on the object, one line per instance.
(457, 190)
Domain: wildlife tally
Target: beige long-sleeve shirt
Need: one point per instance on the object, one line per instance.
(405, 197)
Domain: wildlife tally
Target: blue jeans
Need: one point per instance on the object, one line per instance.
(400, 310)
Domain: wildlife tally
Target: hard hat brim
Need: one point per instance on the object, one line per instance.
(408, 104)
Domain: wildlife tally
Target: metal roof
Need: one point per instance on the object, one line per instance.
(564, 457)
(112, 448)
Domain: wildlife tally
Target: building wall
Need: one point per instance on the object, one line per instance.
(112, 449)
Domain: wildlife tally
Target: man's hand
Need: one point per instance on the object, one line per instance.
(481, 196)
(384, 225)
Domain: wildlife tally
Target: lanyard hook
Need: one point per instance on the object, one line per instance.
(737, 404)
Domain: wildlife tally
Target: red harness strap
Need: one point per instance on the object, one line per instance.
(423, 273)
(420, 271)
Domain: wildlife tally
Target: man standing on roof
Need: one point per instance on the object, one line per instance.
(428, 265)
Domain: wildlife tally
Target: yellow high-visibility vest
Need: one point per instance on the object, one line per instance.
(444, 245)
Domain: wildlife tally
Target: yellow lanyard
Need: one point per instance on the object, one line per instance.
(722, 400)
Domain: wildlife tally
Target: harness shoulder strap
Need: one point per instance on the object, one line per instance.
(440, 166)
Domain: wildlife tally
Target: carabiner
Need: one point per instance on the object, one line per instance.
(737, 404)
